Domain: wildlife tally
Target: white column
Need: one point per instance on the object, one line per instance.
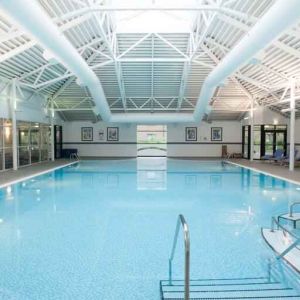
(252, 130)
(13, 107)
(52, 132)
(292, 126)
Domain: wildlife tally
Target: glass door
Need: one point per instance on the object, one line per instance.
(246, 141)
(257, 142)
(269, 143)
(280, 138)
(35, 143)
(58, 141)
(274, 138)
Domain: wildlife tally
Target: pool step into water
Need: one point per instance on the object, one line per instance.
(239, 288)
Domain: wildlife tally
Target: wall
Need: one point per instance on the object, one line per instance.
(125, 147)
(204, 147)
(177, 146)
(29, 108)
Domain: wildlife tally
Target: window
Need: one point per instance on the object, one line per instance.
(151, 140)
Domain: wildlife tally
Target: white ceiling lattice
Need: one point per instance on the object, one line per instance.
(153, 71)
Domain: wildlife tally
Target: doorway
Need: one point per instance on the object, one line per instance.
(274, 138)
(151, 140)
(267, 139)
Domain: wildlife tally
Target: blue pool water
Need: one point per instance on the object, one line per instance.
(104, 229)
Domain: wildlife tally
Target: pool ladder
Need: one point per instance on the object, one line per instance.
(267, 287)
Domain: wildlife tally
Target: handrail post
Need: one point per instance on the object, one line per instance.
(170, 271)
(181, 221)
(292, 206)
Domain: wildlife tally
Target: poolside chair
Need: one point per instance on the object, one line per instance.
(278, 155)
(286, 159)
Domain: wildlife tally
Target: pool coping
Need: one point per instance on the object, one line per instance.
(36, 174)
(263, 172)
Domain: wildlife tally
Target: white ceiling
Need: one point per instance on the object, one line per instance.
(161, 59)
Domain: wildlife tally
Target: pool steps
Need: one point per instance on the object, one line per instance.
(283, 240)
(235, 289)
(269, 287)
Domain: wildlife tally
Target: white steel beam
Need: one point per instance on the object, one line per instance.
(292, 125)
(52, 113)
(111, 43)
(34, 19)
(194, 45)
(260, 35)
(13, 106)
(32, 43)
(110, 8)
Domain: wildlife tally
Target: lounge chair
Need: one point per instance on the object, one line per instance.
(278, 156)
(286, 159)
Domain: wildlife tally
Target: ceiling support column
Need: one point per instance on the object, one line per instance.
(292, 125)
(13, 108)
(252, 130)
(52, 131)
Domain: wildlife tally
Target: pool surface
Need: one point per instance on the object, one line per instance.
(104, 229)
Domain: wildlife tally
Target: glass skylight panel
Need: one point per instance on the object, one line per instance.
(160, 21)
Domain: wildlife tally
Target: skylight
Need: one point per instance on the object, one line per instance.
(154, 21)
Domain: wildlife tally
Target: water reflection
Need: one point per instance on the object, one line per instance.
(152, 173)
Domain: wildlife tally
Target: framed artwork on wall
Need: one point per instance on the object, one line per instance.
(113, 134)
(190, 134)
(86, 134)
(216, 133)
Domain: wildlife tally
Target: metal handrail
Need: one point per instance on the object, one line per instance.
(292, 206)
(186, 234)
(285, 232)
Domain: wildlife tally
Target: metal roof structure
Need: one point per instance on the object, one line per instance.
(153, 72)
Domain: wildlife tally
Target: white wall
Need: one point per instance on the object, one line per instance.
(125, 147)
(204, 147)
(177, 147)
(28, 108)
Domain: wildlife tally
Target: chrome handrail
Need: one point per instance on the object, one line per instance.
(292, 206)
(284, 229)
(186, 234)
(285, 232)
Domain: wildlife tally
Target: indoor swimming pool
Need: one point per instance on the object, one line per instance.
(104, 229)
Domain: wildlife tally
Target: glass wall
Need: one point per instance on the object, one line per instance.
(267, 139)
(33, 143)
(246, 141)
(257, 142)
(5, 144)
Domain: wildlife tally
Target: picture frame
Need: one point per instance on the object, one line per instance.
(216, 134)
(87, 134)
(190, 134)
(112, 134)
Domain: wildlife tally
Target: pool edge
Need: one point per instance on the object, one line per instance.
(263, 172)
(36, 174)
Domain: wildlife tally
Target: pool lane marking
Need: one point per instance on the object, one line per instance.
(36, 174)
(264, 172)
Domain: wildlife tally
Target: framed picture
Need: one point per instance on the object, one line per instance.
(216, 134)
(113, 134)
(86, 133)
(191, 134)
